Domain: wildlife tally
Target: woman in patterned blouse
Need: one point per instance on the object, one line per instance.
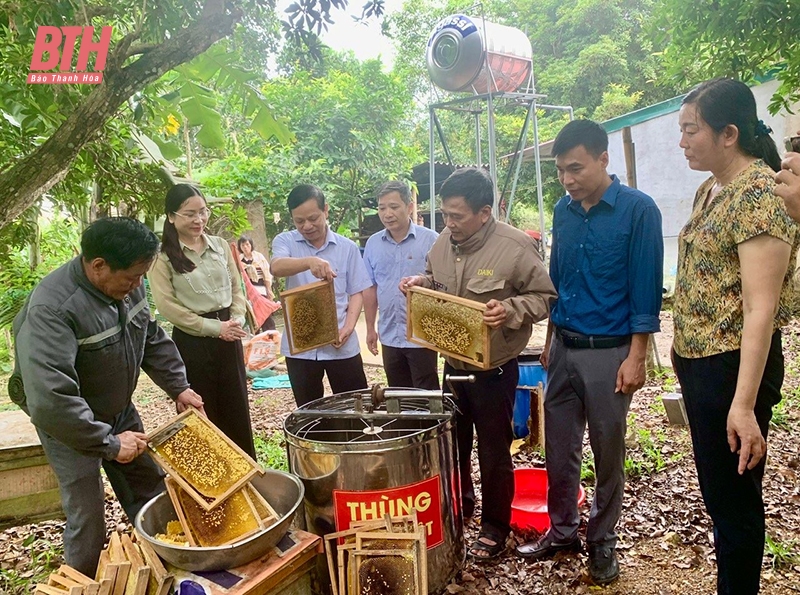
(732, 295)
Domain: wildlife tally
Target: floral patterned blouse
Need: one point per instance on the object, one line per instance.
(708, 289)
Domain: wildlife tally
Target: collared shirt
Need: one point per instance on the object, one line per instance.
(607, 264)
(387, 262)
(214, 284)
(497, 262)
(351, 278)
(79, 353)
(708, 311)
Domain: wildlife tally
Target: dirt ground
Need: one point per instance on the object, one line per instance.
(665, 545)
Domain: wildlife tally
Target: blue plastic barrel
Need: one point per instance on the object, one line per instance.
(531, 373)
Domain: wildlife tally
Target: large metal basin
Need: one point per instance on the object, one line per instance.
(282, 490)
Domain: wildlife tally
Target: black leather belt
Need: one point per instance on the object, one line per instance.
(579, 341)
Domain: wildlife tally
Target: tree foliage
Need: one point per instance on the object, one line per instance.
(743, 39)
(349, 120)
(45, 129)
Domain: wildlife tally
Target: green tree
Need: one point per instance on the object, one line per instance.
(43, 130)
(738, 38)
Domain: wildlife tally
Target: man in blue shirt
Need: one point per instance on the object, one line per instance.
(606, 264)
(396, 252)
(307, 254)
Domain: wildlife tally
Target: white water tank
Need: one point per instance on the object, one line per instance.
(458, 51)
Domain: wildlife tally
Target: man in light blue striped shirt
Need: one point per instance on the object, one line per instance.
(396, 252)
(307, 254)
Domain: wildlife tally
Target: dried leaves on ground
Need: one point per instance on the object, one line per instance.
(665, 544)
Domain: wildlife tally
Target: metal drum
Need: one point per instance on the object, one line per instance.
(363, 455)
(459, 48)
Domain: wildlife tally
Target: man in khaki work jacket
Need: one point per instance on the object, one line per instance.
(481, 259)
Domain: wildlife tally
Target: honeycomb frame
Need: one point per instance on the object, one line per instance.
(234, 520)
(219, 457)
(318, 301)
(465, 336)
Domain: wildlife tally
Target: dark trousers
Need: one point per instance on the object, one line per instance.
(306, 375)
(488, 405)
(733, 501)
(581, 391)
(413, 367)
(215, 369)
(82, 493)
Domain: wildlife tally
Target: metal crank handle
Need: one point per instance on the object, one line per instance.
(470, 378)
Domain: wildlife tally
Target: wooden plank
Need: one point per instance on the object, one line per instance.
(49, 590)
(236, 454)
(287, 300)
(90, 587)
(30, 508)
(140, 572)
(160, 581)
(106, 586)
(264, 575)
(106, 573)
(265, 514)
(62, 582)
(23, 461)
(24, 481)
(117, 556)
(484, 342)
(172, 490)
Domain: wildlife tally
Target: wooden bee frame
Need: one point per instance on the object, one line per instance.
(403, 564)
(139, 575)
(200, 533)
(315, 300)
(400, 534)
(117, 555)
(160, 581)
(473, 332)
(90, 587)
(264, 511)
(239, 467)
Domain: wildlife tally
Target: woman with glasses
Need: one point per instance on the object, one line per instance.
(196, 286)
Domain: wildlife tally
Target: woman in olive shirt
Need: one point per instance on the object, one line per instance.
(197, 287)
(732, 294)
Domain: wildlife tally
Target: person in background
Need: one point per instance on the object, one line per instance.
(80, 341)
(256, 267)
(197, 287)
(396, 252)
(481, 259)
(307, 254)
(732, 295)
(606, 264)
(788, 183)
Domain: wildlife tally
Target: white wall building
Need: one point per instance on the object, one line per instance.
(661, 169)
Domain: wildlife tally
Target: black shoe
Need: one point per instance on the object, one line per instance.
(544, 547)
(603, 565)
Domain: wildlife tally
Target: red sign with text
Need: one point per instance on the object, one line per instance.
(48, 53)
(424, 497)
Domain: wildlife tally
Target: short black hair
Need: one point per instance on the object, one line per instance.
(396, 186)
(473, 184)
(588, 133)
(121, 241)
(242, 240)
(302, 193)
